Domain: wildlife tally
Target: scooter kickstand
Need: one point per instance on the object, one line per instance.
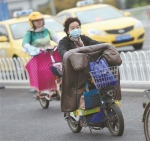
(90, 130)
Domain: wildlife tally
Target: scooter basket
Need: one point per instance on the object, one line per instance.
(105, 77)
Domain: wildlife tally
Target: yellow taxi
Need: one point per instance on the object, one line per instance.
(13, 30)
(107, 24)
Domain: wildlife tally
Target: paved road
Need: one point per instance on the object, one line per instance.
(23, 119)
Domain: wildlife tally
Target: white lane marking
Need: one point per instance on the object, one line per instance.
(123, 89)
(132, 90)
(17, 87)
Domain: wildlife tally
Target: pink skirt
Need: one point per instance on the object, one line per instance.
(38, 69)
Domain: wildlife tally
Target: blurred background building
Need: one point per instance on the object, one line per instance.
(4, 11)
(16, 5)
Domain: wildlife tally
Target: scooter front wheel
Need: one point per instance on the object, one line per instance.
(147, 123)
(74, 125)
(44, 103)
(115, 121)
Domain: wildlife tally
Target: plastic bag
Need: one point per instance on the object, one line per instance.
(102, 74)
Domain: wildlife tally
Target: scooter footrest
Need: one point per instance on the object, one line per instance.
(43, 94)
(81, 112)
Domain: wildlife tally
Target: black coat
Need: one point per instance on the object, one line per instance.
(66, 44)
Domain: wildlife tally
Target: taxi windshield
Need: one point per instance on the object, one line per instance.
(19, 29)
(99, 14)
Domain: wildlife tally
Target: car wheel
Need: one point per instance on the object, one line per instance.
(138, 46)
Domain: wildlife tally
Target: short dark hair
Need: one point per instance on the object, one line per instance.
(68, 22)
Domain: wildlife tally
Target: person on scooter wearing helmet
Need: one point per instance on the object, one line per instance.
(38, 38)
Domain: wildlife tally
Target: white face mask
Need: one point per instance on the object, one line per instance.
(75, 32)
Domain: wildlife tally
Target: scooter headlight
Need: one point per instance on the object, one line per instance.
(111, 93)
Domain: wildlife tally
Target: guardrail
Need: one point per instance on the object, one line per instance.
(135, 68)
(12, 70)
(141, 13)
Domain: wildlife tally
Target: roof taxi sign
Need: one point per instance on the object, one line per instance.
(18, 14)
(84, 3)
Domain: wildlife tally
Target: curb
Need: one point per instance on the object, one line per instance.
(122, 89)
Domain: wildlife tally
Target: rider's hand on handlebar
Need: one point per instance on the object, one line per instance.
(41, 49)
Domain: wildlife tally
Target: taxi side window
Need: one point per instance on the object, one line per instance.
(3, 31)
(64, 16)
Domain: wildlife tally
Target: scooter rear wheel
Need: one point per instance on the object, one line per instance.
(44, 103)
(74, 125)
(115, 121)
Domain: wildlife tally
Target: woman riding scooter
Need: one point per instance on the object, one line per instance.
(37, 39)
(73, 40)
